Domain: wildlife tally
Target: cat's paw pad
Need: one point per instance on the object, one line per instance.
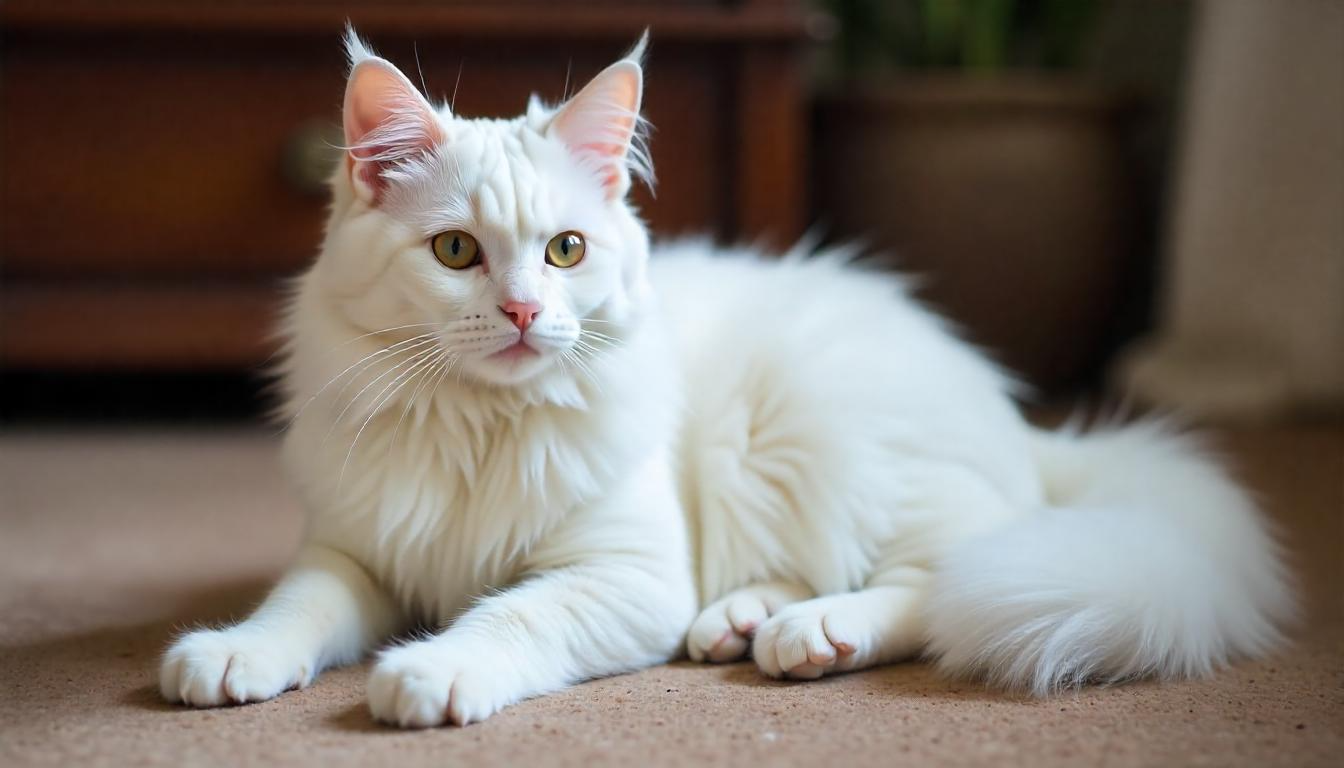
(722, 632)
(209, 668)
(422, 685)
(805, 641)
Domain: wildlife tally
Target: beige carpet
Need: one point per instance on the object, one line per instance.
(106, 540)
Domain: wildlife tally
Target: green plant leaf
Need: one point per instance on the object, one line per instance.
(988, 26)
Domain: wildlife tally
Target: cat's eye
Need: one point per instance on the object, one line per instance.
(456, 249)
(565, 249)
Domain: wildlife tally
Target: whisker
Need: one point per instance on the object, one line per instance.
(410, 402)
(568, 356)
(443, 374)
(411, 361)
(609, 341)
(383, 399)
(348, 342)
(585, 333)
(606, 340)
(452, 102)
(563, 359)
(586, 347)
(583, 367)
(421, 342)
(335, 378)
(460, 368)
(592, 377)
(379, 333)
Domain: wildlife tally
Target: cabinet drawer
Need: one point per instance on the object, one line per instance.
(169, 156)
(96, 326)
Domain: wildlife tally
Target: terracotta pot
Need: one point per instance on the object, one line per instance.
(1008, 197)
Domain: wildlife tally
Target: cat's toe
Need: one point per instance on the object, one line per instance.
(713, 639)
(192, 672)
(420, 686)
(715, 644)
(722, 632)
(796, 643)
(409, 698)
(210, 668)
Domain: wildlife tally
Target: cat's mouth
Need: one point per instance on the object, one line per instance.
(518, 350)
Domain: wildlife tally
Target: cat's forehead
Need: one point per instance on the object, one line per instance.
(499, 166)
(503, 175)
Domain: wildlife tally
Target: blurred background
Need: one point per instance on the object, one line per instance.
(1142, 198)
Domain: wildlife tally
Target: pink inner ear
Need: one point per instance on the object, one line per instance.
(604, 148)
(367, 171)
(611, 172)
(599, 122)
(386, 121)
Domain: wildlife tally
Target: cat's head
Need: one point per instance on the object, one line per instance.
(511, 240)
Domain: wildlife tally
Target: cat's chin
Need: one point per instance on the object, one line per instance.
(512, 366)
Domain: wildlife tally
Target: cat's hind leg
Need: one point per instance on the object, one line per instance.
(879, 624)
(883, 622)
(324, 612)
(723, 630)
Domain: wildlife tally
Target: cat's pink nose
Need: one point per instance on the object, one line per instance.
(521, 312)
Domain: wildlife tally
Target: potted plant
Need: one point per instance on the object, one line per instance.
(958, 138)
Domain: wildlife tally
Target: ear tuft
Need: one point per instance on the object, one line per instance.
(602, 126)
(356, 50)
(639, 49)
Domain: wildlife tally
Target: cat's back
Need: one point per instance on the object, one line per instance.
(814, 320)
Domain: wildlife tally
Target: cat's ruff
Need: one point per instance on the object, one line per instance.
(790, 448)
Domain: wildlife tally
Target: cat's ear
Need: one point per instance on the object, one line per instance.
(602, 126)
(386, 119)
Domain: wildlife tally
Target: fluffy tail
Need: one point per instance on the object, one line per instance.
(1149, 561)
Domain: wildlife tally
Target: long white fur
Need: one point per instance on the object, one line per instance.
(791, 447)
(1148, 561)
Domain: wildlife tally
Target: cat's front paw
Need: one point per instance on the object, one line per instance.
(208, 668)
(807, 640)
(433, 682)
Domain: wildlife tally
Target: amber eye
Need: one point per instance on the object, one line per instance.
(456, 249)
(565, 249)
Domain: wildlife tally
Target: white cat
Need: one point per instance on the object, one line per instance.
(511, 426)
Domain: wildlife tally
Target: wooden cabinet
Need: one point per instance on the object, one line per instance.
(149, 202)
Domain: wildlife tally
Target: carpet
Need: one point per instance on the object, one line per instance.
(111, 539)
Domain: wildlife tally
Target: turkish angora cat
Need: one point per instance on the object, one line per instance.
(510, 424)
